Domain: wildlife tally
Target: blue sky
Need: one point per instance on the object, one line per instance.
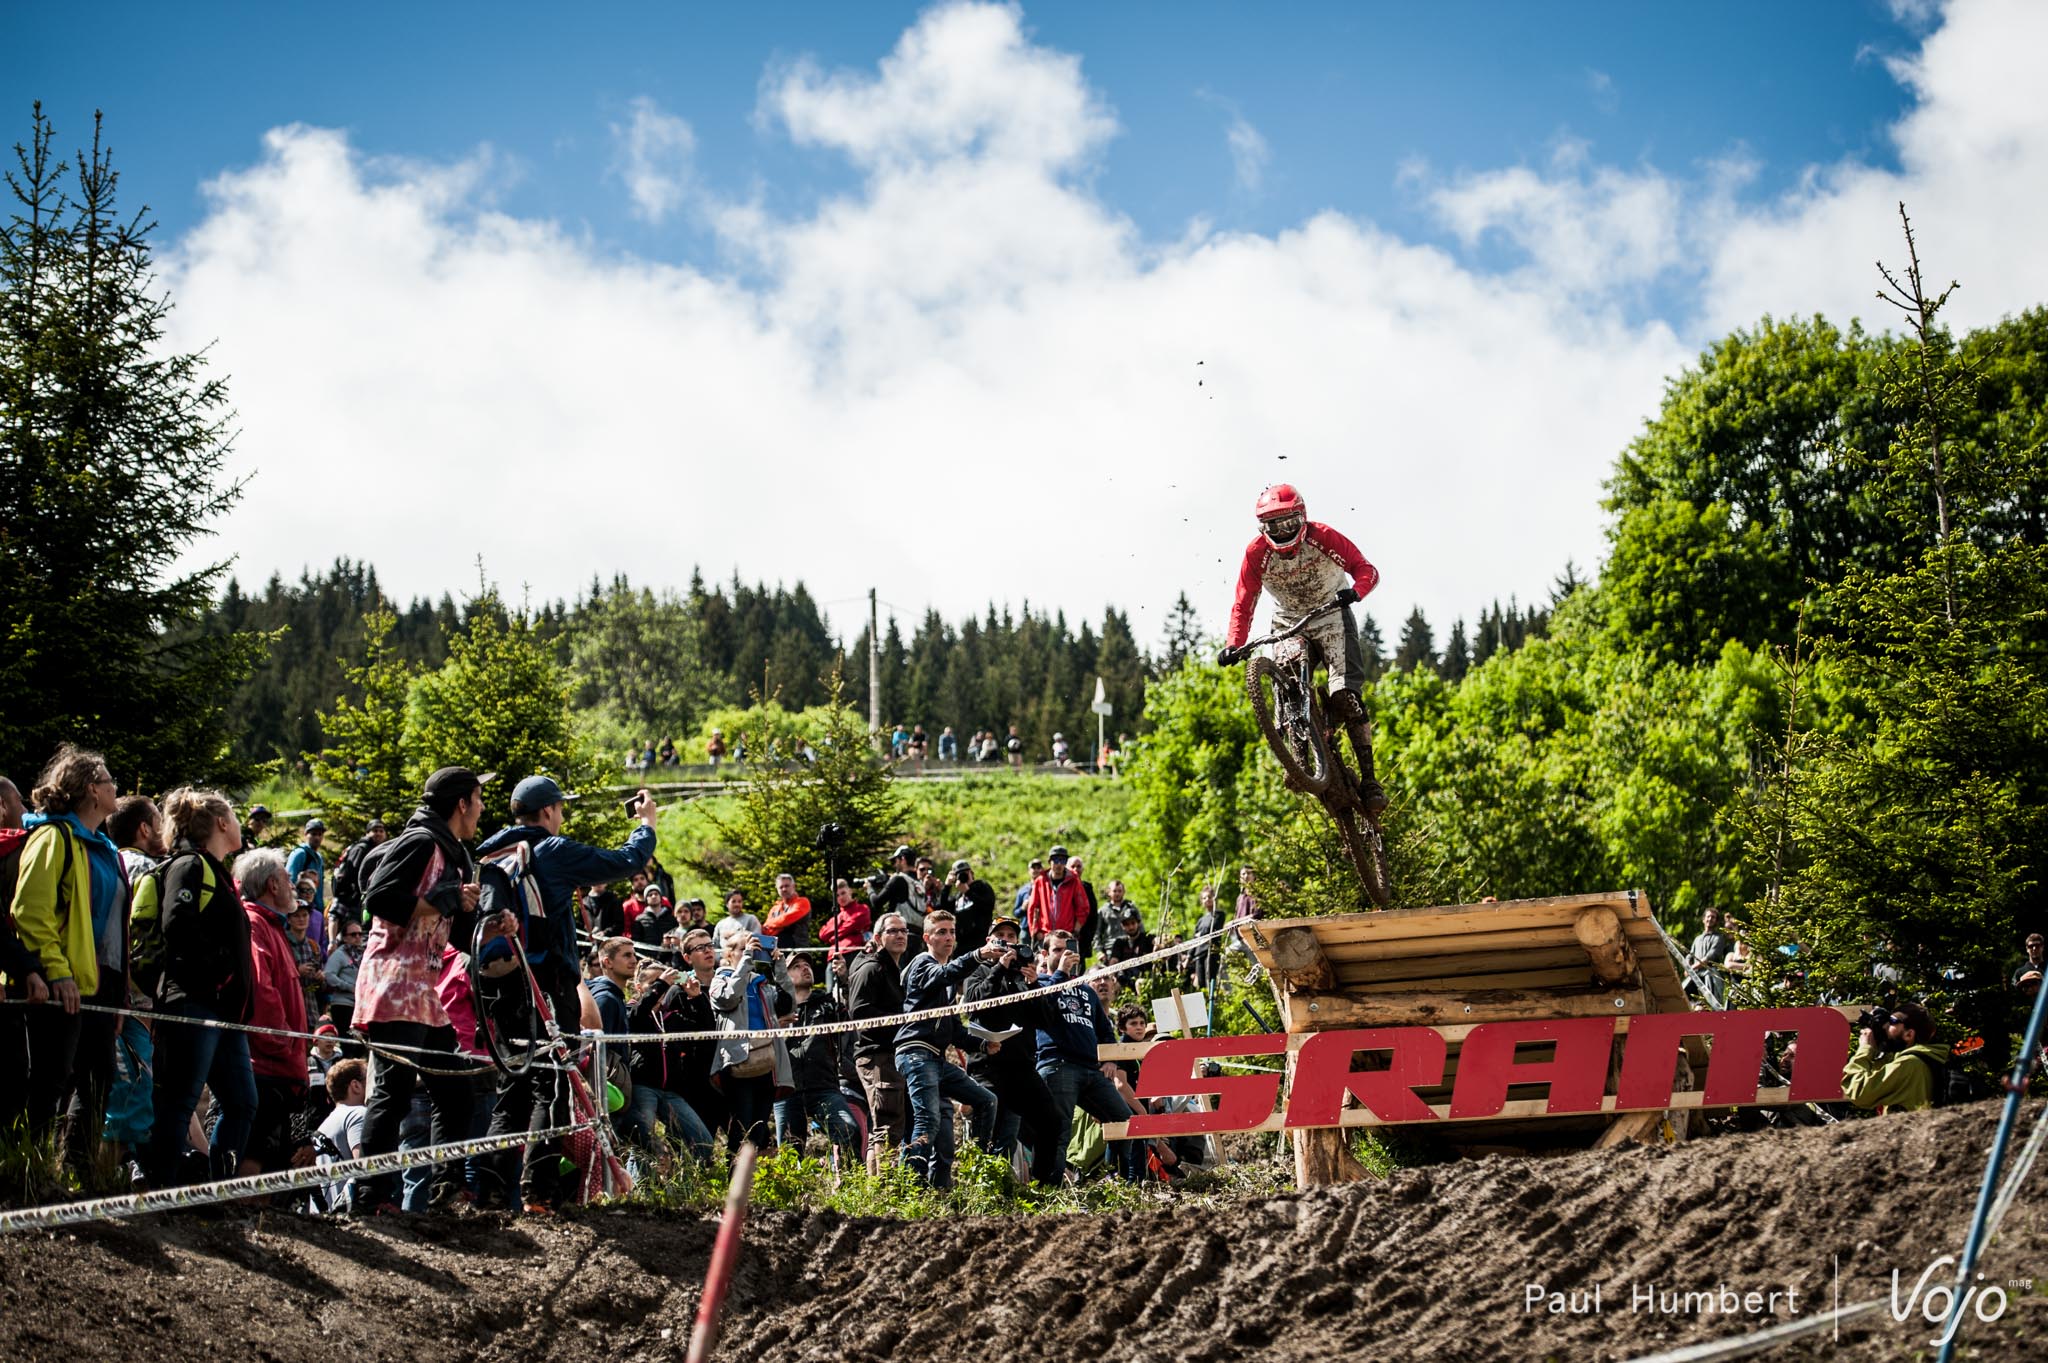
(916, 297)
(1341, 94)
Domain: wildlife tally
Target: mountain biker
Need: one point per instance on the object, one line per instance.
(1304, 565)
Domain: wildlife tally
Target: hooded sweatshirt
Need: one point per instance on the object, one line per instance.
(1902, 1081)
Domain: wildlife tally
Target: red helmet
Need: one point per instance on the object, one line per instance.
(1283, 517)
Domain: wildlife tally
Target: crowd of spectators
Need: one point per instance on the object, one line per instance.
(366, 1027)
(909, 747)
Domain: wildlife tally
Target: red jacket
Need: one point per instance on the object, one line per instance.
(782, 915)
(1298, 582)
(276, 999)
(846, 931)
(1056, 905)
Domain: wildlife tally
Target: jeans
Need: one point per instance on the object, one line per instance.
(678, 1116)
(794, 1114)
(1025, 1109)
(932, 1083)
(188, 1059)
(416, 1132)
(752, 1102)
(1073, 1085)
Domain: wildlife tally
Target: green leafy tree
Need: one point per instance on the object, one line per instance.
(635, 664)
(777, 814)
(112, 457)
(364, 762)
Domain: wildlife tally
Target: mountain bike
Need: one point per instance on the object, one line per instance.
(1291, 711)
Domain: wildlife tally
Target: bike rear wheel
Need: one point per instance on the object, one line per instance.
(1367, 848)
(1297, 739)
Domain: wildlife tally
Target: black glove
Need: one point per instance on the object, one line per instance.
(1229, 656)
(1347, 595)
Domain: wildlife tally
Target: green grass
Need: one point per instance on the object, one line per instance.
(998, 822)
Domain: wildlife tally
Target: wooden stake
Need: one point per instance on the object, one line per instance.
(725, 1253)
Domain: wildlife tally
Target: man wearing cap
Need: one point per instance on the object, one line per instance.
(1057, 903)
(902, 893)
(1019, 900)
(421, 887)
(254, 827)
(348, 875)
(306, 857)
(1132, 941)
(539, 1099)
(1024, 1105)
(1109, 923)
(972, 903)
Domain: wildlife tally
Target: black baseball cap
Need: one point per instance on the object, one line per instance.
(904, 853)
(960, 866)
(1057, 854)
(455, 783)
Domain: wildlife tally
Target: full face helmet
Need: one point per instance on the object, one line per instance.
(1283, 517)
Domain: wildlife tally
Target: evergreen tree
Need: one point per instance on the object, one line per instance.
(1183, 635)
(112, 455)
(1418, 644)
(1372, 647)
(1457, 658)
(364, 763)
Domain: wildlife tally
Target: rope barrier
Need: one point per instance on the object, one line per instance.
(259, 1185)
(352, 1038)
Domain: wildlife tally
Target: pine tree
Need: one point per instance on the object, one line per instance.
(1418, 644)
(112, 460)
(364, 761)
(1183, 635)
(1457, 658)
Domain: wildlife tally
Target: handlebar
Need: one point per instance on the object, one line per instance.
(1297, 627)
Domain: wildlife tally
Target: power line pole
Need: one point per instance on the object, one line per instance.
(874, 673)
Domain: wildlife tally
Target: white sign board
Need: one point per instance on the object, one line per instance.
(1166, 1012)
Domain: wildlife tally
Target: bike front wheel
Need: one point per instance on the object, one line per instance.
(1292, 724)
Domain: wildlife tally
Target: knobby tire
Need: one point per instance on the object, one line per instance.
(1312, 775)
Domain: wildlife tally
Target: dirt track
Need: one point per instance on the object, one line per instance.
(1433, 1264)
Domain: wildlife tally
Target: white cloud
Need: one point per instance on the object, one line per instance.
(970, 378)
(654, 151)
(1248, 154)
(1601, 86)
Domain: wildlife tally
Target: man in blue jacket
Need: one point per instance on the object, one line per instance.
(933, 980)
(539, 1098)
(1068, 1063)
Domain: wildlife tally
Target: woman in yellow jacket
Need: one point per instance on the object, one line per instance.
(71, 909)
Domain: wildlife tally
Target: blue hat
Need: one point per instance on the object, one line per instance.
(536, 793)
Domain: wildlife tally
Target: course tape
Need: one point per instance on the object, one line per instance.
(259, 1185)
(959, 1010)
(351, 1038)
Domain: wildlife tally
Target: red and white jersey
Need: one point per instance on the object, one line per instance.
(1311, 576)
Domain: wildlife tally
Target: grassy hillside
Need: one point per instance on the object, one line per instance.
(998, 822)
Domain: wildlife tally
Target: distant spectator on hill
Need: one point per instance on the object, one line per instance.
(1014, 746)
(667, 753)
(899, 741)
(714, 749)
(949, 746)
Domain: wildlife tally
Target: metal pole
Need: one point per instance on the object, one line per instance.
(725, 1253)
(874, 673)
(2015, 1089)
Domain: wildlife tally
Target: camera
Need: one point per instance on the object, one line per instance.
(830, 837)
(1876, 1018)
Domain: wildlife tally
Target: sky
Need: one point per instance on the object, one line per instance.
(971, 302)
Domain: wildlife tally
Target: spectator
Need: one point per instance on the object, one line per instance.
(11, 807)
(814, 1068)
(340, 973)
(340, 1136)
(876, 991)
(931, 1081)
(737, 922)
(949, 746)
(749, 1070)
(700, 959)
(418, 889)
(846, 932)
(604, 913)
(309, 965)
(1087, 934)
(899, 741)
(321, 1057)
(1247, 909)
(71, 907)
(690, 915)
(714, 749)
(348, 874)
(1057, 902)
(1896, 1071)
(208, 975)
(789, 920)
(918, 744)
(277, 1000)
(666, 754)
(903, 893)
(1014, 745)
(616, 965)
(1024, 1106)
(1022, 897)
(137, 828)
(659, 927)
(1067, 1060)
(972, 903)
(254, 831)
(1208, 956)
(2035, 958)
(1134, 940)
(659, 1067)
(1062, 755)
(306, 857)
(1109, 923)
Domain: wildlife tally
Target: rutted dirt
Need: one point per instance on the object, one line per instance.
(1434, 1263)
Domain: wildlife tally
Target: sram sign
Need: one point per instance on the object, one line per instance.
(1576, 1071)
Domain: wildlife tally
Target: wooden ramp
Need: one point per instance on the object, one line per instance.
(1452, 968)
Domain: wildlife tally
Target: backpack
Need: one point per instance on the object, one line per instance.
(15, 957)
(348, 878)
(509, 886)
(146, 924)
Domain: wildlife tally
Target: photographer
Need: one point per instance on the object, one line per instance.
(814, 1066)
(660, 1068)
(539, 1098)
(1024, 1106)
(1067, 1059)
(972, 903)
(749, 1070)
(903, 893)
(1897, 1065)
